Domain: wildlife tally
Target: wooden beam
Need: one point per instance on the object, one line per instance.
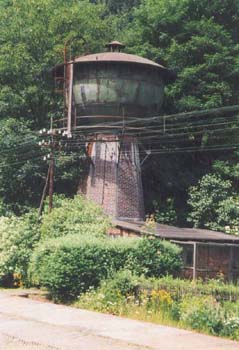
(194, 260)
(69, 121)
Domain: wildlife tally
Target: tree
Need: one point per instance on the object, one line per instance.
(198, 41)
(22, 168)
(214, 205)
(32, 37)
(195, 39)
(33, 34)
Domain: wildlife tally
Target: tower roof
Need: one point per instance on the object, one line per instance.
(117, 57)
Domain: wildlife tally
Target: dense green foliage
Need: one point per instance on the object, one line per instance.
(214, 205)
(70, 251)
(197, 40)
(32, 37)
(210, 307)
(71, 265)
(75, 216)
(165, 213)
(155, 258)
(18, 237)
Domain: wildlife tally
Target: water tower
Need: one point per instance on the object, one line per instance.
(107, 97)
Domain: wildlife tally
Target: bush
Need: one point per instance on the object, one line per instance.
(204, 314)
(18, 237)
(113, 295)
(75, 254)
(213, 204)
(74, 216)
(124, 282)
(165, 213)
(155, 258)
(122, 295)
(231, 327)
(70, 265)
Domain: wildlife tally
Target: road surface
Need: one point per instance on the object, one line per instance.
(27, 324)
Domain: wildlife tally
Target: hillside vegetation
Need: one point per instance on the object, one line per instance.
(197, 40)
(190, 179)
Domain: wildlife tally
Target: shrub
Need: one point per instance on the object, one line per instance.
(213, 204)
(74, 216)
(231, 327)
(124, 282)
(18, 237)
(114, 294)
(70, 265)
(203, 313)
(165, 213)
(155, 258)
(121, 294)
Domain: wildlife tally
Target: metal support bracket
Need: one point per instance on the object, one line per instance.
(148, 153)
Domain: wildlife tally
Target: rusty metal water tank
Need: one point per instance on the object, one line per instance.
(117, 84)
(103, 92)
(110, 85)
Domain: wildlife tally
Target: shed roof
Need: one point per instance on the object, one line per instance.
(175, 233)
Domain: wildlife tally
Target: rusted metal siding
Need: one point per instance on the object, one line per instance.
(116, 89)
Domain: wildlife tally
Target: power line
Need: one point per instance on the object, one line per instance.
(193, 114)
(3, 165)
(101, 128)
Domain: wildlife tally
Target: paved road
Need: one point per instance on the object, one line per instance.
(26, 324)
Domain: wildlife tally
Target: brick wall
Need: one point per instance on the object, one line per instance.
(129, 185)
(114, 179)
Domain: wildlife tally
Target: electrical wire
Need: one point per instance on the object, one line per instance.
(4, 165)
(194, 114)
(162, 135)
(191, 149)
(155, 130)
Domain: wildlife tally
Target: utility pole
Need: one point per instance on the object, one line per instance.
(51, 177)
(51, 168)
(52, 144)
(44, 194)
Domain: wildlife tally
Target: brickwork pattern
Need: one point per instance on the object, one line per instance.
(129, 185)
(114, 181)
(101, 182)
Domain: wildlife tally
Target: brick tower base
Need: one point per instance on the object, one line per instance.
(114, 179)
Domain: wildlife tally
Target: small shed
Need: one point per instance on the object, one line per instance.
(205, 253)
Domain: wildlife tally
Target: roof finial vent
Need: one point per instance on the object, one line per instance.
(115, 46)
